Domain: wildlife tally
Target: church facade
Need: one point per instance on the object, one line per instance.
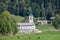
(27, 27)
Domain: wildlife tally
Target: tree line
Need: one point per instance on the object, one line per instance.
(39, 8)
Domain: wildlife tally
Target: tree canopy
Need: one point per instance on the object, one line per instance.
(25, 7)
(7, 23)
(56, 21)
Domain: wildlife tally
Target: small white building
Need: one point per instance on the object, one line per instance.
(44, 22)
(27, 27)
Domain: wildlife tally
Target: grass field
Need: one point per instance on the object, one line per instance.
(18, 18)
(46, 27)
(41, 36)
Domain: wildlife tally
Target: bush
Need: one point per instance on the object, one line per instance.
(56, 21)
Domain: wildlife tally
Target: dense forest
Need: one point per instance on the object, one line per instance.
(39, 8)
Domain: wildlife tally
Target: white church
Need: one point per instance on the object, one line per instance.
(27, 27)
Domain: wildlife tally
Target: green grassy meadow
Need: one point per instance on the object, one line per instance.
(54, 35)
(46, 27)
(18, 18)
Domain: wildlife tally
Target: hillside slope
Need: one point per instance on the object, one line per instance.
(18, 18)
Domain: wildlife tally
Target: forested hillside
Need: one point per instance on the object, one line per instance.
(39, 8)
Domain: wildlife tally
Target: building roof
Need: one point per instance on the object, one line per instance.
(25, 24)
(43, 21)
(31, 14)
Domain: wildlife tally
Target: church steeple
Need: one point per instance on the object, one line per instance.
(30, 18)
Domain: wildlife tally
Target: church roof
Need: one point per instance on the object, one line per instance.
(31, 14)
(26, 24)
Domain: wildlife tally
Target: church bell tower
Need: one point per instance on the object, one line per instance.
(30, 18)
